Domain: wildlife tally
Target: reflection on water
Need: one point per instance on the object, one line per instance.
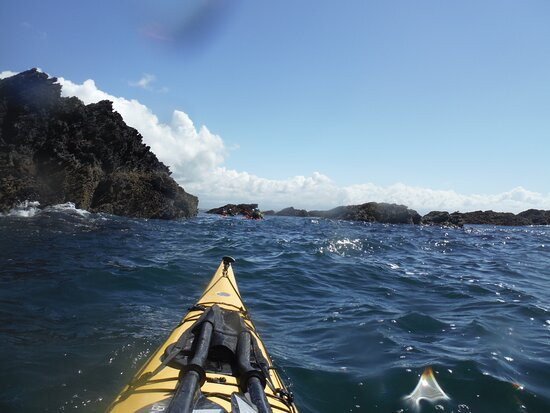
(427, 389)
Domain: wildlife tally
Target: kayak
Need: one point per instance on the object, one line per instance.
(213, 362)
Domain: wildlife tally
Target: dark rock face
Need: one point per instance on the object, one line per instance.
(291, 212)
(372, 212)
(56, 150)
(233, 209)
(443, 218)
(536, 216)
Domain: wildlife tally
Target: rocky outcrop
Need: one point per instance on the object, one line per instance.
(493, 218)
(56, 150)
(372, 212)
(292, 212)
(268, 212)
(443, 218)
(458, 219)
(235, 209)
(536, 216)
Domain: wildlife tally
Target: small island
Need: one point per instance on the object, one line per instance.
(247, 210)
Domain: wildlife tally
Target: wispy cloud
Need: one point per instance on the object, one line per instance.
(29, 27)
(197, 158)
(144, 82)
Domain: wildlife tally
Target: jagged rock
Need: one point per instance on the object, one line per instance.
(292, 212)
(235, 209)
(372, 212)
(56, 150)
(442, 218)
(268, 212)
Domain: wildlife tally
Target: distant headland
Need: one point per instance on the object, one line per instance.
(55, 150)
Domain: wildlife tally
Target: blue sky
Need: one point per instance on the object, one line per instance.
(441, 95)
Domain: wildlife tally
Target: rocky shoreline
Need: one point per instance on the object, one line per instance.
(400, 214)
(55, 150)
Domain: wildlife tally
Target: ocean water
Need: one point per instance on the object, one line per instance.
(352, 313)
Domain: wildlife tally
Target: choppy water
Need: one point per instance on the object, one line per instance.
(352, 313)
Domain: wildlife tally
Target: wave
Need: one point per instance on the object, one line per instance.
(67, 207)
(29, 209)
(25, 209)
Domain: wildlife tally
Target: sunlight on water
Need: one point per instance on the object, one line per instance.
(100, 293)
(342, 246)
(427, 389)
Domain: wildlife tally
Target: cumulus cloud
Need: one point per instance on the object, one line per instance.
(189, 152)
(319, 192)
(196, 158)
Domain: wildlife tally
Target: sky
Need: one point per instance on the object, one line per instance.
(432, 104)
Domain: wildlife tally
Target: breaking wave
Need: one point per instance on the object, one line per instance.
(29, 209)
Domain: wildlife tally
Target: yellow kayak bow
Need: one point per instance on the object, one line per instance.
(213, 362)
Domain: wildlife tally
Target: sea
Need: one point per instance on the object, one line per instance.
(352, 313)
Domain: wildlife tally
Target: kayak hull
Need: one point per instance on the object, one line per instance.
(154, 385)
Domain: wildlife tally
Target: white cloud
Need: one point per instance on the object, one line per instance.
(144, 82)
(319, 192)
(189, 152)
(7, 73)
(196, 157)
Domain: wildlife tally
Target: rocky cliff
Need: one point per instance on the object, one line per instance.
(56, 150)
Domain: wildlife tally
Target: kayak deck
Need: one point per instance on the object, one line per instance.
(156, 383)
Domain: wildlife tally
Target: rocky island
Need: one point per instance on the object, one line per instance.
(246, 210)
(372, 212)
(292, 212)
(55, 150)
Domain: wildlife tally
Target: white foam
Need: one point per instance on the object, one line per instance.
(28, 209)
(25, 209)
(67, 207)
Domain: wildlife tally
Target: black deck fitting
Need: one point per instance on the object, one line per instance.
(228, 260)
